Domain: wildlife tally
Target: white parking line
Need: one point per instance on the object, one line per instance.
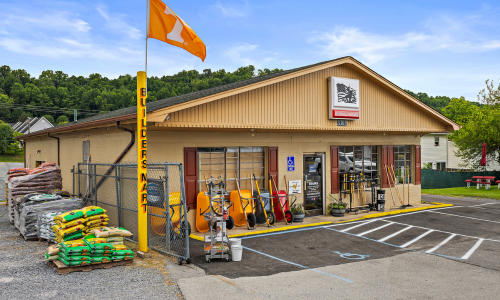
(416, 239)
(394, 234)
(469, 253)
(441, 244)
(485, 220)
(375, 229)
(483, 204)
(357, 226)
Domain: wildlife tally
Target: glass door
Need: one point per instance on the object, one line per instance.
(313, 184)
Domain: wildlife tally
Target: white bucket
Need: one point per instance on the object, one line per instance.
(236, 252)
(235, 241)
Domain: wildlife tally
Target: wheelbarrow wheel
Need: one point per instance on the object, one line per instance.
(251, 220)
(230, 223)
(271, 218)
(179, 261)
(289, 216)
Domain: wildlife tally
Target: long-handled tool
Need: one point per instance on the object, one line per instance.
(250, 218)
(262, 205)
(389, 181)
(395, 179)
(287, 214)
(408, 181)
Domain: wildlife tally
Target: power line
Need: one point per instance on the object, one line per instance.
(49, 110)
(60, 108)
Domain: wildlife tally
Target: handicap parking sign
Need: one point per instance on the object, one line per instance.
(290, 162)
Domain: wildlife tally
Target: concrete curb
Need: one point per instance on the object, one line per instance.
(436, 205)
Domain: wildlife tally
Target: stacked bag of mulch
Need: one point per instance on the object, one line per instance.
(29, 215)
(75, 224)
(44, 179)
(113, 236)
(44, 226)
(12, 173)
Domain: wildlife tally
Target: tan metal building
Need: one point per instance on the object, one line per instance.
(254, 127)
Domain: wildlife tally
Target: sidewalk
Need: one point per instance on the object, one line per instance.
(317, 221)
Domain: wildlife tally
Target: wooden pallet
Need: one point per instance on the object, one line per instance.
(63, 269)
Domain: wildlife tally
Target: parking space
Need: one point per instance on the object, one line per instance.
(468, 232)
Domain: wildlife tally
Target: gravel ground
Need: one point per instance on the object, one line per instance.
(24, 274)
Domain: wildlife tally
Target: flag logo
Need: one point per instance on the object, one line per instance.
(346, 94)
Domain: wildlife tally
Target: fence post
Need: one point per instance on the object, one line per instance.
(168, 234)
(79, 180)
(118, 196)
(184, 220)
(73, 173)
(95, 185)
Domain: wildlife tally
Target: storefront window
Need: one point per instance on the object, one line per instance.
(359, 159)
(402, 163)
(230, 163)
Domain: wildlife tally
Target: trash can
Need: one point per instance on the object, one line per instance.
(156, 193)
(259, 214)
(236, 252)
(380, 200)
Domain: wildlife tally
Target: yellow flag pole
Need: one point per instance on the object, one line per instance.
(142, 170)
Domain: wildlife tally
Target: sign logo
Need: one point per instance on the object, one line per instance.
(290, 162)
(343, 98)
(294, 187)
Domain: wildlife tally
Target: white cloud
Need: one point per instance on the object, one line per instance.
(232, 12)
(61, 21)
(442, 34)
(116, 23)
(241, 53)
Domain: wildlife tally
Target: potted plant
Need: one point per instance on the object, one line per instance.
(337, 207)
(298, 212)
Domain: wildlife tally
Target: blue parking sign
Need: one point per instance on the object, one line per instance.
(290, 162)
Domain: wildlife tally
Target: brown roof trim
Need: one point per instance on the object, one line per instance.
(76, 126)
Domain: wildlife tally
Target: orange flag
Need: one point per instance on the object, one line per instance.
(165, 25)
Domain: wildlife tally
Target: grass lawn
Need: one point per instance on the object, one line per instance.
(10, 157)
(493, 193)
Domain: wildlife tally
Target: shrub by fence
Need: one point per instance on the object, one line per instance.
(435, 179)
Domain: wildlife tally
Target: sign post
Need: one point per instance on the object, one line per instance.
(142, 169)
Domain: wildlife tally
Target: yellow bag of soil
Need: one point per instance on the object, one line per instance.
(51, 257)
(67, 232)
(97, 223)
(96, 217)
(70, 223)
(98, 243)
(93, 210)
(53, 250)
(71, 244)
(74, 263)
(121, 247)
(69, 216)
(111, 231)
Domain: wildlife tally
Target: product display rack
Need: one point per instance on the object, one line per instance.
(217, 242)
(352, 184)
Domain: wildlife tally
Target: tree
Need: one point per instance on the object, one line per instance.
(460, 110)
(479, 125)
(62, 120)
(23, 117)
(14, 145)
(49, 118)
(6, 133)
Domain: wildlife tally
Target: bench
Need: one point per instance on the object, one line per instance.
(498, 182)
(479, 183)
(468, 182)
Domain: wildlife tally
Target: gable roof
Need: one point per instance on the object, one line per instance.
(158, 110)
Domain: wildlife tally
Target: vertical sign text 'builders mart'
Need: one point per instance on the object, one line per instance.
(142, 143)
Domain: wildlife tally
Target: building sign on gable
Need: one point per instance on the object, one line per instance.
(343, 98)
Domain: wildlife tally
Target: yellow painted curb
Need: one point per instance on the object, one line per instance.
(436, 205)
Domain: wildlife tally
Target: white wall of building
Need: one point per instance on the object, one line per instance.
(432, 153)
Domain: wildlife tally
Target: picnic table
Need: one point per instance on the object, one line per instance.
(483, 180)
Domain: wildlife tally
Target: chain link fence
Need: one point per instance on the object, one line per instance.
(114, 188)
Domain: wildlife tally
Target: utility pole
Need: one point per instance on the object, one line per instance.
(74, 117)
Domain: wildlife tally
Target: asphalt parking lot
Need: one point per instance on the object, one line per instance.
(425, 254)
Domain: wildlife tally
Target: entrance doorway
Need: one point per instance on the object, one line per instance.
(313, 184)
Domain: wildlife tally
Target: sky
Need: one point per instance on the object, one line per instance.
(446, 48)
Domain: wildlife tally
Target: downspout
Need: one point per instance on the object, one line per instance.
(24, 146)
(58, 160)
(119, 158)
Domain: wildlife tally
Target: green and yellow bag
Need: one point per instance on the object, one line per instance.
(74, 263)
(93, 210)
(76, 236)
(67, 232)
(74, 257)
(97, 223)
(97, 243)
(122, 257)
(115, 239)
(69, 216)
(100, 259)
(76, 251)
(96, 217)
(70, 223)
(51, 257)
(100, 254)
(123, 253)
